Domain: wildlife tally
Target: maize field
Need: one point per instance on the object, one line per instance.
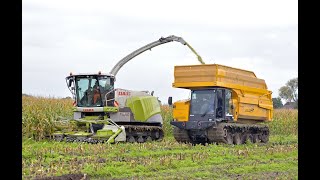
(167, 159)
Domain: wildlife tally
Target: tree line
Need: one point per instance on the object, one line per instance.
(287, 93)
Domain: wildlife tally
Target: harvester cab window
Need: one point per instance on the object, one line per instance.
(83, 92)
(88, 91)
(105, 87)
(96, 89)
(94, 84)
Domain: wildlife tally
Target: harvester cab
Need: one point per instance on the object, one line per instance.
(103, 113)
(92, 90)
(93, 96)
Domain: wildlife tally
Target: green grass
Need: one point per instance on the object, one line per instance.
(161, 160)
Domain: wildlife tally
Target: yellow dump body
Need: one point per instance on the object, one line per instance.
(250, 97)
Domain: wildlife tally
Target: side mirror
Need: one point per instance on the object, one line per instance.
(170, 100)
(231, 106)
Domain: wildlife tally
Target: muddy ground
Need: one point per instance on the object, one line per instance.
(66, 177)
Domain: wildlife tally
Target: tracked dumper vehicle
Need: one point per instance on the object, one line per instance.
(227, 105)
(103, 113)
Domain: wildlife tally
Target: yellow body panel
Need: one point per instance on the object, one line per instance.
(250, 97)
(197, 76)
(181, 110)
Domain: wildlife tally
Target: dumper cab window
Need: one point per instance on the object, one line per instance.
(202, 102)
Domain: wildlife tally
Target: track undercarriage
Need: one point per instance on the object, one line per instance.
(143, 133)
(228, 133)
(134, 132)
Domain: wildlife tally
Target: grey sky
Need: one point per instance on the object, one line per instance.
(87, 36)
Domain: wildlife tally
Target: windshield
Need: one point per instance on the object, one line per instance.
(91, 90)
(202, 102)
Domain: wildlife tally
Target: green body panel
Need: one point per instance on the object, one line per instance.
(113, 137)
(81, 134)
(110, 109)
(143, 107)
(57, 133)
(104, 133)
(73, 133)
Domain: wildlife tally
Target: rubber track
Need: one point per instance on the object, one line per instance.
(144, 131)
(218, 134)
(135, 131)
(181, 135)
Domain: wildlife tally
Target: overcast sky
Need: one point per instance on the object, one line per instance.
(63, 36)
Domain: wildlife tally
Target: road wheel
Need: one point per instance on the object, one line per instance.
(181, 135)
(255, 138)
(237, 138)
(264, 138)
(131, 139)
(149, 139)
(141, 139)
(59, 137)
(228, 137)
(244, 138)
